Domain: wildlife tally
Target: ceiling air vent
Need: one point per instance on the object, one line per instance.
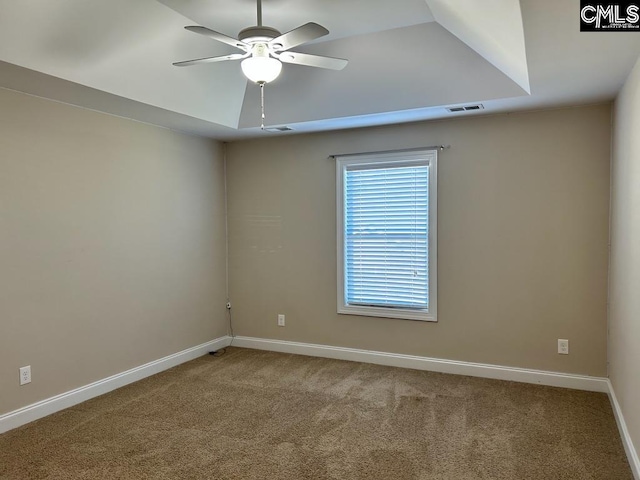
(279, 129)
(466, 108)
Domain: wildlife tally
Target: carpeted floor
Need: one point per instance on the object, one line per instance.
(261, 415)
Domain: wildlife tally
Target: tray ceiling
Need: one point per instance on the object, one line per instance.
(407, 60)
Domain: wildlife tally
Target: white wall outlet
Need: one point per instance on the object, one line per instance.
(25, 375)
(563, 346)
(280, 320)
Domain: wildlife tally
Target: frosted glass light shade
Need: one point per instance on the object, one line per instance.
(261, 69)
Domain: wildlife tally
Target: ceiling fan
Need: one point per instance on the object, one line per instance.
(265, 48)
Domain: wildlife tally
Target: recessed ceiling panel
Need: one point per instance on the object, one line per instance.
(342, 18)
(413, 67)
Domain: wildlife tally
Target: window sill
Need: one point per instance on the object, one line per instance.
(398, 313)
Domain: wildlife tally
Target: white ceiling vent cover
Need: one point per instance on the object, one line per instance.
(466, 108)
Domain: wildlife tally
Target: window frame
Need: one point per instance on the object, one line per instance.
(425, 156)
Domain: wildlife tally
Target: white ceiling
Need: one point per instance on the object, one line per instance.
(408, 60)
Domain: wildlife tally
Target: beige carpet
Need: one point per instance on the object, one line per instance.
(260, 415)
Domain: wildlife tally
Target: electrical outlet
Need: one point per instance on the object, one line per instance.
(228, 305)
(563, 346)
(280, 320)
(25, 375)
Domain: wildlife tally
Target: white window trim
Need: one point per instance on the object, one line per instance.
(380, 159)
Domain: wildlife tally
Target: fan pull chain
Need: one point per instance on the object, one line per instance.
(262, 103)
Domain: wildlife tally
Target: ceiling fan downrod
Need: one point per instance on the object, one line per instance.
(259, 6)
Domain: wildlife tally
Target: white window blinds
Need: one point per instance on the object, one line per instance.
(387, 235)
(387, 238)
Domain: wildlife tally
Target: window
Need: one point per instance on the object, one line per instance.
(387, 205)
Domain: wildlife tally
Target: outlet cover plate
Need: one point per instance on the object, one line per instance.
(25, 375)
(563, 346)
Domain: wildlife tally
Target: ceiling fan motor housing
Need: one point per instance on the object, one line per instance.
(257, 34)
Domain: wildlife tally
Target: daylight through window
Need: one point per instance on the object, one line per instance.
(387, 234)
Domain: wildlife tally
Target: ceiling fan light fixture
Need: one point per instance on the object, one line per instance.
(261, 69)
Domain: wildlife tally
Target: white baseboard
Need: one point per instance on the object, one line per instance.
(578, 382)
(554, 379)
(27, 414)
(632, 453)
(51, 405)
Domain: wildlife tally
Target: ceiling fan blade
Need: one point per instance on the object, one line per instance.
(198, 61)
(305, 33)
(218, 36)
(313, 60)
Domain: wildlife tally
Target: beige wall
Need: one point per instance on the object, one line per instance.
(112, 242)
(111, 245)
(624, 314)
(523, 233)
